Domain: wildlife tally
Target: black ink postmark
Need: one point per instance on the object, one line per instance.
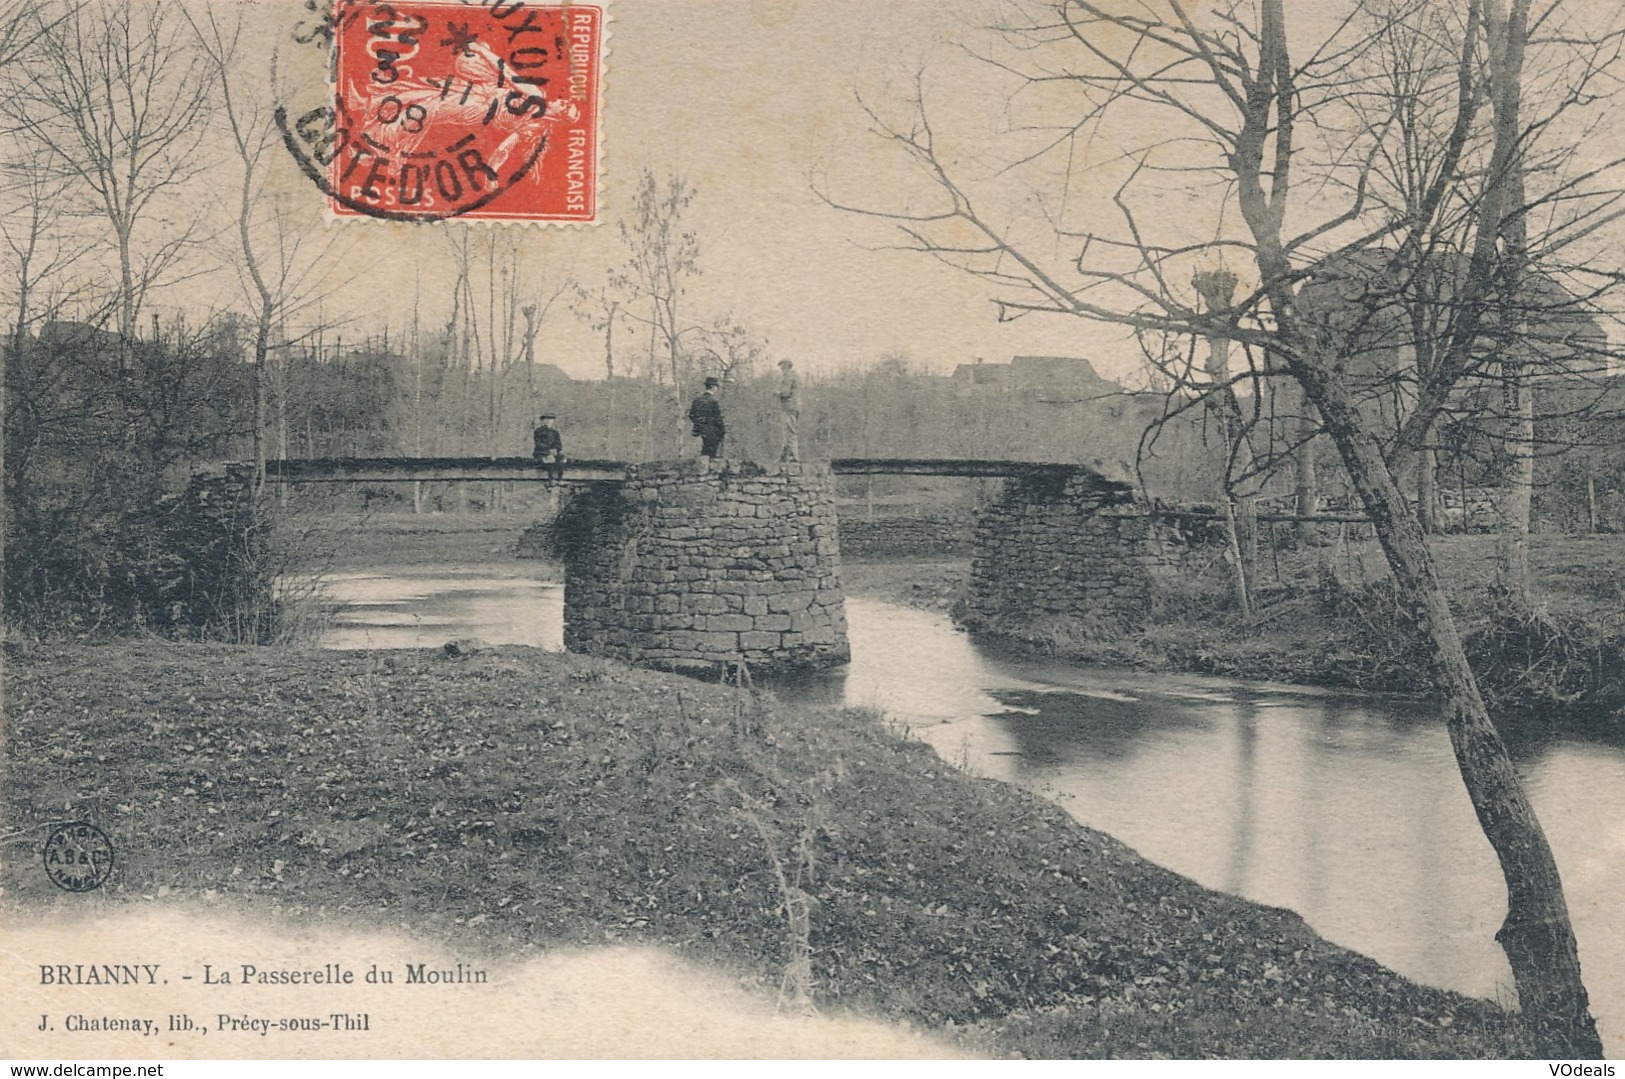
(78, 857)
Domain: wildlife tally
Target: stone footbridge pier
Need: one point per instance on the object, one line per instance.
(700, 563)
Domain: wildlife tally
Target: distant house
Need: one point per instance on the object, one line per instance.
(1058, 378)
(550, 372)
(1352, 298)
(1050, 379)
(62, 334)
(1563, 332)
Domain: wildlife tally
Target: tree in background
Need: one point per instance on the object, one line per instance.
(661, 259)
(117, 97)
(107, 105)
(282, 266)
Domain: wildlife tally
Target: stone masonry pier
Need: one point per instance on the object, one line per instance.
(695, 563)
(1079, 551)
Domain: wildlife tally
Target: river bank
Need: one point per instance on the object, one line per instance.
(1329, 619)
(513, 801)
(1323, 615)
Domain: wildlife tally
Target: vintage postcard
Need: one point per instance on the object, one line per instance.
(761, 529)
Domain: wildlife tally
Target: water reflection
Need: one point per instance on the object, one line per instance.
(1347, 809)
(424, 608)
(1064, 727)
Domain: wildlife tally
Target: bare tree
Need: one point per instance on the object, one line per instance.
(601, 310)
(661, 258)
(731, 351)
(282, 264)
(1251, 113)
(119, 96)
(41, 251)
(27, 245)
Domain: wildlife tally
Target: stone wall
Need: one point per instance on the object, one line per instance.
(926, 536)
(698, 563)
(1075, 550)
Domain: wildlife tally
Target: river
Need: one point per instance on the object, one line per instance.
(1343, 807)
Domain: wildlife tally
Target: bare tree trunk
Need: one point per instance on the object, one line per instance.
(1507, 33)
(1427, 487)
(5, 360)
(650, 388)
(1217, 288)
(1306, 493)
(262, 352)
(417, 394)
(1234, 555)
(1515, 493)
(1536, 935)
(282, 418)
(493, 411)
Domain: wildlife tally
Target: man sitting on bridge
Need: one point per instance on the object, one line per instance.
(548, 446)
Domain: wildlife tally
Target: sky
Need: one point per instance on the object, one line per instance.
(748, 100)
(759, 105)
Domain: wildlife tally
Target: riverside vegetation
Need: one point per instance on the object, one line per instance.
(1330, 617)
(1325, 616)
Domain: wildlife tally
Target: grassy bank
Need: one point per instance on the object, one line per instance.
(516, 800)
(344, 541)
(1330, 617)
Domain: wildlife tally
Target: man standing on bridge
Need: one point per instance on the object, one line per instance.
(705, 416)
(548, 446)
(789, 412)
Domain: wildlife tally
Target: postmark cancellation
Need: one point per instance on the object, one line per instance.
(439, 109)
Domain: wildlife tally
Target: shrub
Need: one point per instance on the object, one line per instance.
(195, 564)
(1533, 664)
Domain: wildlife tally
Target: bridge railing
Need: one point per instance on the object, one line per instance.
(426, 469)
(500, 469)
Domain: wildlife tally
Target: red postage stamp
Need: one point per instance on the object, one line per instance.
(483, 110)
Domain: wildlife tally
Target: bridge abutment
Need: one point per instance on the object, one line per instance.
(697, 563)
(1066, 553)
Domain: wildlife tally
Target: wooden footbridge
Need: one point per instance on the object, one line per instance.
(749, 572)
(506, 469)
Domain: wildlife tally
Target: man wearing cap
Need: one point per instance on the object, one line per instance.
(705, 416)
(789, 412)
(548, 446)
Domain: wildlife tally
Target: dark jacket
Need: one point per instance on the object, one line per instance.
(547, 440)
(705, 414)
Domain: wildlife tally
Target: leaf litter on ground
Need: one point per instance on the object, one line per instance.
(514, 800)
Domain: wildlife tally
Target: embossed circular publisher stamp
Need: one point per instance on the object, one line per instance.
(78, 856)
(440, 109)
